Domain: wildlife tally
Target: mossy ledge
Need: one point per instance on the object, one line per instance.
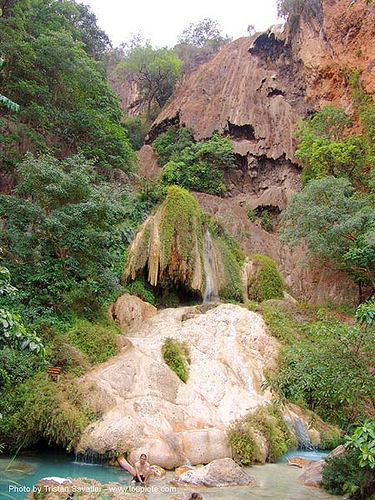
(168, 249)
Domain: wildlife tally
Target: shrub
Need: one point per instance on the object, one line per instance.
(40, 409)
(266, 424)
(251, 214)
(17, 365)
(266, 221)
(141, 289)
(342, 475)
(195, 166)
(96, 340)
(266, 283)
(176, 355)
(329, 371)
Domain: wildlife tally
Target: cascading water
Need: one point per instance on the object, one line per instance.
(89, 457)
(208, 266)
(304, 442)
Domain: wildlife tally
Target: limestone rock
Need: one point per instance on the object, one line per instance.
(219, 473)
(130, 311)
(148, 409)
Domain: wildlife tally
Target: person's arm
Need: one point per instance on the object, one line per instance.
(147, 474)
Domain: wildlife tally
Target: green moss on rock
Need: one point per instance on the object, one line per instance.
(264, 427)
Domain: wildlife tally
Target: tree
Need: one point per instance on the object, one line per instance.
(202, 32)
(155, 71)
(293, 8)
(199, 42)
(66, 103)
(326, 149)
(336, 224)
(4, 100)
(63, 233)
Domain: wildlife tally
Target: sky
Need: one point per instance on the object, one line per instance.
(163, 21)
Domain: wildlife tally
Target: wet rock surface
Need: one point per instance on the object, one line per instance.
(219, 473)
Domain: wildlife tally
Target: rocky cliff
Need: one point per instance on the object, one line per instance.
(254, 91)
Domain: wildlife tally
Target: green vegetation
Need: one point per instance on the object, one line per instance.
(196, 166)
(155, 71)
(199, 42)
(141, 289)
(266, 282)
(40, 409)
(63, 233)
(266, 221)
(325, 148)
(53, 50)
(176, 355)
(266, 422)
(329, 371)
(353, 473)
(96, 340)
(337, 225)
(280, 320)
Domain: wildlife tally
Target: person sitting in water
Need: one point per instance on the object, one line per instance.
(142, 470)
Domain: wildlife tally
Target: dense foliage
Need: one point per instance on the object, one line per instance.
(266, 282)
(337, 225)
(193, 165)
(52, 71)
(63, 231)
(199, 42)
(330, 371)
(325, 147)
(353, 472)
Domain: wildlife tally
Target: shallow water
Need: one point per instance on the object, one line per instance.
(277, 481)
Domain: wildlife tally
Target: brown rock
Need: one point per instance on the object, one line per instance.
(148, 162)
(312, 474)
(219, 473)
(130, 311)
(187, 495)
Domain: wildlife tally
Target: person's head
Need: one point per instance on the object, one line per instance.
(196, 496)
(143, 458)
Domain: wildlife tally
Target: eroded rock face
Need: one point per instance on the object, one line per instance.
(148, 409)
(315, 283)
(218, 473)
(130, 311)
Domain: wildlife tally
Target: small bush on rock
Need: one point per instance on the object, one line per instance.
(266, 425)
(177, 357)
(266, 282)
(96, 340)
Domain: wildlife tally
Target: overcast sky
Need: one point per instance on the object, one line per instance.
(163, 20)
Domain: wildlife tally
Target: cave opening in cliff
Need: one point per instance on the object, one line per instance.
(268, 47)
(241, 132)
(269, 216)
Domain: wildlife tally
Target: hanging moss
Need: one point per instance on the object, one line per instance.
(266, 282)
(181, 223)
(169, 249)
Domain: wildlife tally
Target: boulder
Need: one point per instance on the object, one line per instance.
(59, 488)
(218, 473)
(312, 474)
(146, 408)
(130, 311)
